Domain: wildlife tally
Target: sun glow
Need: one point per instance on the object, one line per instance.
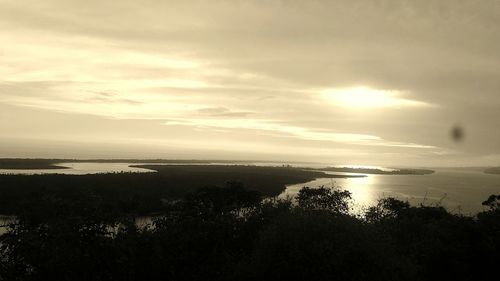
(364, 97)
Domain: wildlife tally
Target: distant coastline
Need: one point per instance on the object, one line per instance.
(42, 163)
(493, 171)
(374, 171)
(194, 168)
(30, 164)
(53, 164)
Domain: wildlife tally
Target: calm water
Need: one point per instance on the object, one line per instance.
(82, 169)
(458, 189)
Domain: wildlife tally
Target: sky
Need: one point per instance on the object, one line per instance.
(341, 82)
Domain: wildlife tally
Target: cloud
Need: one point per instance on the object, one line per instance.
(364, 97)
(274, 128)
(222, 112)
(281, 69)
(106, 97)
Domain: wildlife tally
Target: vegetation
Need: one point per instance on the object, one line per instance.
(230, 233)
(144, 193)
(379, 171)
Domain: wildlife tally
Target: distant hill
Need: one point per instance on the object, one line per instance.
(495, 170)
(373, 171)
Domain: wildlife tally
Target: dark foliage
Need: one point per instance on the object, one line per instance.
(230, 233)
(336, 201)
(144, 193)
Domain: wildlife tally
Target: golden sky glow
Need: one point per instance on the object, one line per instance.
(365, 97)
(354, 82)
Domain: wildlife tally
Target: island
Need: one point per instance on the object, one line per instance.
(376, 171)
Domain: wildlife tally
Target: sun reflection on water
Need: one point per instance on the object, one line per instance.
(362, 191)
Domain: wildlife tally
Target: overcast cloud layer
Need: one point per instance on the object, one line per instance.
(345, 82)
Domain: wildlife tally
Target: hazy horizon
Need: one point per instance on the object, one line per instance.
(347, 82)
(257, 162)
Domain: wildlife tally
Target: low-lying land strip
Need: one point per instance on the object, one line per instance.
(373, 171)
(495, 171)
(29, 164)
(144, 192)
(38, 163)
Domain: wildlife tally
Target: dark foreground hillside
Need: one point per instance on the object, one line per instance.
(230, 233)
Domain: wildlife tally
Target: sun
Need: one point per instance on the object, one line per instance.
(365, 97)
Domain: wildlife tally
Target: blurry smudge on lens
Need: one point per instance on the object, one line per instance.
(457, 133)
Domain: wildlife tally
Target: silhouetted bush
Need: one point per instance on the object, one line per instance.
(230, 233)
(336, 201)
